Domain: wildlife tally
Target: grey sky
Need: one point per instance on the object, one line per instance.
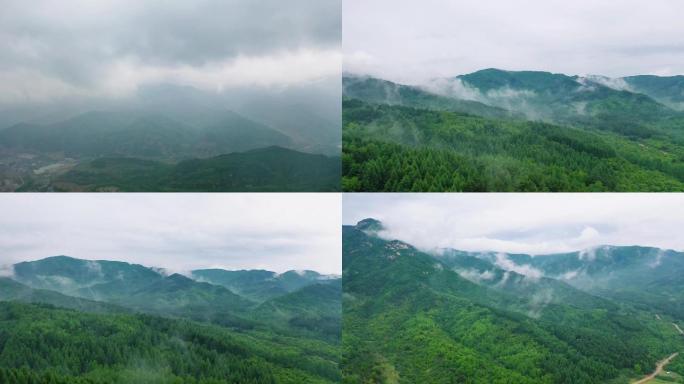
(179, 232)
(411, 41)
(525, 223)
(64, 48)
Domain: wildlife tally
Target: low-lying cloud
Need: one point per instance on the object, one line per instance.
(502, 261)
(7, 270)
(535, 224)
(475, 275)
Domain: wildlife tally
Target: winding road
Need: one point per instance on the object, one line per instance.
(659, 369)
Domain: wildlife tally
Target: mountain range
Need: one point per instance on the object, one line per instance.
(170, 125)
(277, 327)
(497, 130)
(485, 317)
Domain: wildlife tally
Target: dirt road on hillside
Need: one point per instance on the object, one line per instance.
(659, 369)
(679, 329)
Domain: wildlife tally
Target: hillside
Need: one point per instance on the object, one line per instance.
(647, 277)
(118, 320)
(410, 317)
(47, 344)
(260, 285)
(260, 170)
(558, 133)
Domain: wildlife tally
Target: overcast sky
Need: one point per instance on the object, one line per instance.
(533, 223)
(179, 232)
(55, 49)
(411, 41)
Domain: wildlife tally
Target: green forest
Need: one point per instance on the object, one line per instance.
(404, 138)
(413, 317)
(150, 328)
(272, 169)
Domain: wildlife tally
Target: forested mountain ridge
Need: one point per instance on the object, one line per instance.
(596, 101)
(380, 91)
(645, 276)
(559, 133)
(411, 316)
(261, 285)
(185, 330)
(259, 170)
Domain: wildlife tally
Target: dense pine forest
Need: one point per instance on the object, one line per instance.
(65, 320)
(549, 133)
(454, 316)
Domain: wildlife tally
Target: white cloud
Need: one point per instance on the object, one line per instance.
(618, 84)
(7, 270)
(475, 275)
(524, 223)
(123, 77)
(359, 62)
(279, 70)
(588, 254)
(588, 234)
(56, 49)
(570, 275)
(178, 232)
(503, 262)
(416, 41)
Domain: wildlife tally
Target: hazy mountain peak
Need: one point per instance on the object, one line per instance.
(369, 225)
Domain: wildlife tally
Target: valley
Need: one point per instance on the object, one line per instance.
(173, 139)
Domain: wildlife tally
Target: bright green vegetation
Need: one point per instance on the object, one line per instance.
(69, 320)
(413, 317)
(528, 131)
(58, 345)
(261, 170)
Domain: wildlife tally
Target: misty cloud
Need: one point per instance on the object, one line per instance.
(7, 270)
(418, 41)
(570, 275)
(617, 84)
(178, 232)
(539, 301)
(502, 261)
(475, 275)
(109, 48)
(535, 224)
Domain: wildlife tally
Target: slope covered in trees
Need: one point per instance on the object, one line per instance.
(415, 317)
(45, 344)
(96, 321)
(563, 134)
(259, 170)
